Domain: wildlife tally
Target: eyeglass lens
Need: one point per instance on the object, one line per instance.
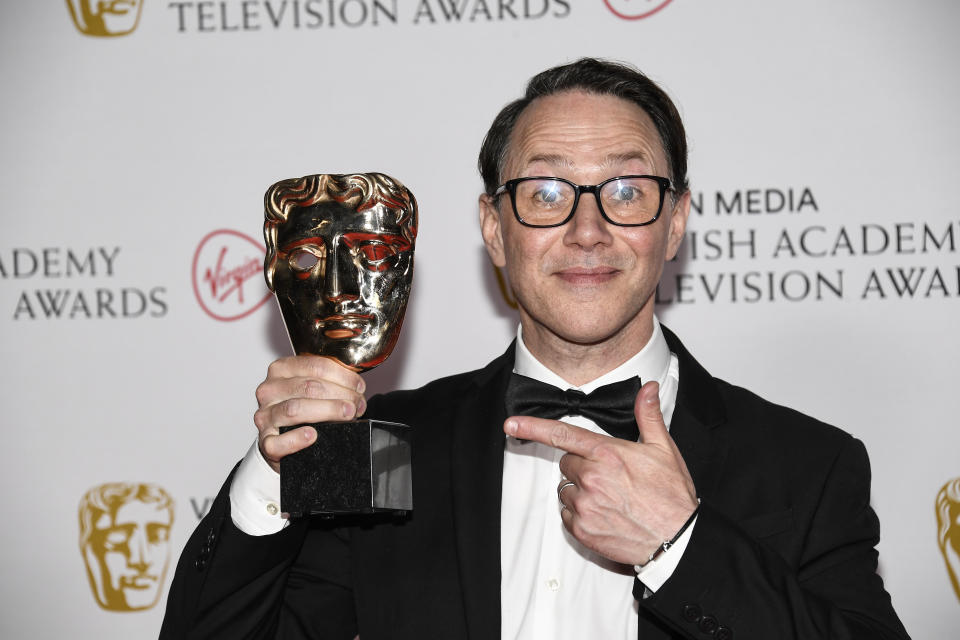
(546, 201)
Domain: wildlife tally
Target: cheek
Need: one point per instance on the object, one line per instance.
(116, 563)
(292, 284)
(524, 251)
(156, 552)
(648, 243)
(377, 287)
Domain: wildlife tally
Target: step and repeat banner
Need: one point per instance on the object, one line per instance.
(821, 266)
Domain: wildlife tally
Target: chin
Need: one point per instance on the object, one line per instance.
(587, 334)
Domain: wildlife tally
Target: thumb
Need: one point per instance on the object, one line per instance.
(646, 408)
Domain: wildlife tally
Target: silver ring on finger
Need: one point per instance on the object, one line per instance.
(560, 489)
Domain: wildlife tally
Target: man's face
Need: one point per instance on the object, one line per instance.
(342, 279)
(127, 555)
(588, 281)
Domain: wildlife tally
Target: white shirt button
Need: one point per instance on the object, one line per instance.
(272, 508)
(553, 584)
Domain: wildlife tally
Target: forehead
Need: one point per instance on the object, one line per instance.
(136, 512)
(583, 131)
(330, 218)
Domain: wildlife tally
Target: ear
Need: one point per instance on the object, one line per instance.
(490, 229)
(678, 224)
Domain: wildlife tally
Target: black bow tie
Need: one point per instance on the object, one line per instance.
(610, 406)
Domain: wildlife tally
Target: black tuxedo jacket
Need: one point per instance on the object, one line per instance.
(783, 547)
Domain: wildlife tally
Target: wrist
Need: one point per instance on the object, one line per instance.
(665, 546)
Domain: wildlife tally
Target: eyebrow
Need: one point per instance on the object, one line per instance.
(393, 239)
(616, 158)
(551, 159)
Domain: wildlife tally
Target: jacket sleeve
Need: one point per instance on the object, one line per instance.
(731, 583)
(292, 584)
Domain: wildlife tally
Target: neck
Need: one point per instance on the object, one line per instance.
(581, 362)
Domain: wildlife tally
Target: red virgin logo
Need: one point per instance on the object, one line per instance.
(635, 9)
(228, 275)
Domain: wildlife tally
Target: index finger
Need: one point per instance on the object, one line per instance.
(554, 433)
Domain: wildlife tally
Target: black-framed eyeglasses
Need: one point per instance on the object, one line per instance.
(625, 201)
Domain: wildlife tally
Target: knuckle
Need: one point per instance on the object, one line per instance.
(291, 407)
(604, 450)
(273, 447)
(313, 388)
(318, 366)
(589, 480)
(261, 393)
(559, 436)
(267, 446)
(608, 454)
(273, 369)
(260, 419)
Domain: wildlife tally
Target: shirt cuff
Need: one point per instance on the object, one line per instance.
(255, 496)
(653, 574)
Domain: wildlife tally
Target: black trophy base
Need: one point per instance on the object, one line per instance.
(353, 467)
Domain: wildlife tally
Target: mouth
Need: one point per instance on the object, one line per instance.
(138, 582)
(343, 326)
(587, 275)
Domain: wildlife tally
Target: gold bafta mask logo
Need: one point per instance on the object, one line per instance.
(125, 542)
(105, 18)
(948, 529)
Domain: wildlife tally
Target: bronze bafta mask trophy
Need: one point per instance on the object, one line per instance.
(340, 261)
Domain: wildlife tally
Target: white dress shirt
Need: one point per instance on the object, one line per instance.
(552, 587)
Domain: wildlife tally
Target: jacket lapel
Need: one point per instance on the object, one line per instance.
(699, 410)
(476, 479)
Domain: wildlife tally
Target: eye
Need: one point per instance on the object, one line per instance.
(629, 192)
(547, 195)
(626, 193)
(303, 259)
(377, 251)
(116, 539)
(157, 533)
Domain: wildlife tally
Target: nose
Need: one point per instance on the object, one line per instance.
(587, 229)
(138, 552)
(341, 274)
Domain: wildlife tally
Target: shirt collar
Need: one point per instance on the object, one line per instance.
(652, 362)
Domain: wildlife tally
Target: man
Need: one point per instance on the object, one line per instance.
(124, 539)
(746, 520)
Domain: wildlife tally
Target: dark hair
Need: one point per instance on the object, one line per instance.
(600, 77)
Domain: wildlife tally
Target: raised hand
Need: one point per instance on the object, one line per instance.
(626, 497)
(302, 389)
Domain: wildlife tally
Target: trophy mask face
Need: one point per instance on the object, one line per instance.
(342, 275)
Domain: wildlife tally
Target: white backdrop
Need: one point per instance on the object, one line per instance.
(821, 269)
